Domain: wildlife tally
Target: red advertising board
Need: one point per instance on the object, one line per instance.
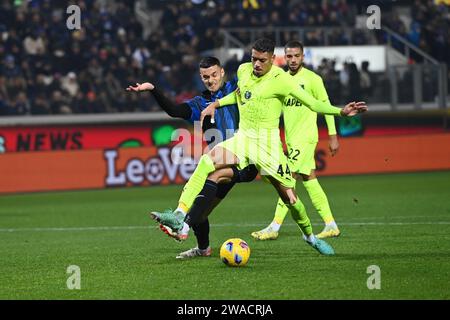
(45, 138)
(91, 169)
(146, 166)
(84, 137)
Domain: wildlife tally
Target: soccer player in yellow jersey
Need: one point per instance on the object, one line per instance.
(301, 141)
(261, 91)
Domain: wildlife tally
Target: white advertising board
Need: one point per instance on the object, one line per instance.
(376, 55)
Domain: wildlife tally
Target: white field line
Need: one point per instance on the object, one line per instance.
(214, 225)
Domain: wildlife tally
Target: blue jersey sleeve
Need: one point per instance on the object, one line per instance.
(196, 111)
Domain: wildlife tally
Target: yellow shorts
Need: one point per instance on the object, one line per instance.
(265, 153)
(301, 157)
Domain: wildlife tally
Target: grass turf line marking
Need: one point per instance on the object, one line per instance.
(105, 228)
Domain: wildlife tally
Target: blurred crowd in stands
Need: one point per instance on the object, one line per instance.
(45, 68)
(428, 30)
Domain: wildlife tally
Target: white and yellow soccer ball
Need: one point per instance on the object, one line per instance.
(235, 252)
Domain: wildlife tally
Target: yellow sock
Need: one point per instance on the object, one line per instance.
(183, 207)
(319, 200)
(195, 184)
(300, 217)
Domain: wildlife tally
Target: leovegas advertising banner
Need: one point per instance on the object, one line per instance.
(91, 169)
(147, 166)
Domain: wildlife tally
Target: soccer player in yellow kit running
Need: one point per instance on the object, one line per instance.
(301, 139)
(261, 91)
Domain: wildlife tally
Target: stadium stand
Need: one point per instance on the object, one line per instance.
(48, 69)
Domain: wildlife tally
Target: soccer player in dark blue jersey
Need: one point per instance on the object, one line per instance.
(226, 120)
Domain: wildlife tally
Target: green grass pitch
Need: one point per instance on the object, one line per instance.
(399, 222)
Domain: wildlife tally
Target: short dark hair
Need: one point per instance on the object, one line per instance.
(207, 62)
(294, 44)
(264, 45)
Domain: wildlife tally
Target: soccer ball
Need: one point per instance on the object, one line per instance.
(235, 252)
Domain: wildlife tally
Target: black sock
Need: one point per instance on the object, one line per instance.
(201, 203)
(201, 232)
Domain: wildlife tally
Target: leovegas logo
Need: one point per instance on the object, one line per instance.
(167, 164)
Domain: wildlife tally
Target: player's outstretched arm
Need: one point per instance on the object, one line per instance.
(139, 87)
(351, 109)
(313, 104)
(230, 98)
(182, 111)
(318, 106)
(354, 108)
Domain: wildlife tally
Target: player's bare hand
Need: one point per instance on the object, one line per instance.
(209, 111)
(354, 108)
(146, 86)
(333, 144)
